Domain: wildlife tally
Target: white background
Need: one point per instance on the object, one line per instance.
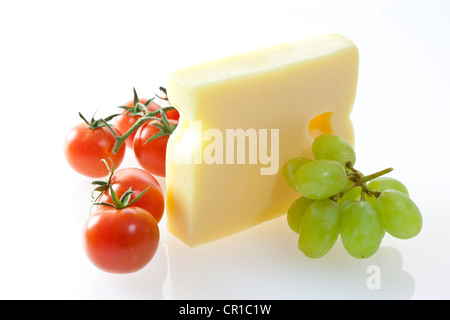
(61, 57)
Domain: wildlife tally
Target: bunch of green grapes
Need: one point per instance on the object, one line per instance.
(336, 199)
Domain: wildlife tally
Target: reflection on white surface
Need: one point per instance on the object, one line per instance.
(146, 283)
(261, 263)
(264, 263)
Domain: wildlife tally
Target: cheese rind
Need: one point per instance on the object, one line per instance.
(272, 96)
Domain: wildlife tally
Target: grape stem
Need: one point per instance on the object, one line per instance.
(360, 181)
(376, 175)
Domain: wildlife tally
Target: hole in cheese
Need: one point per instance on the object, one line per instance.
(320, 125)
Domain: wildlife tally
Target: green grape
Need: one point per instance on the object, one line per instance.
(384, 183)
(320, 179)
(345, 203)
(296, 212)
(353, 194)
(333, 147)
(361, 230)
(320, 228)
(399, 214)
(290, 168)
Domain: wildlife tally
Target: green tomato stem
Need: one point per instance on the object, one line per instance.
(120, 140)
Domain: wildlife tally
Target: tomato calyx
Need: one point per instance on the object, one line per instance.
(164, 91)
(97, 123)
(118, 203)
(103, 185)
(138, 108)
(165, 128)
(145, 115)
(124, 201)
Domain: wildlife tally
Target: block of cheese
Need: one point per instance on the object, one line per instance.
(242, 118)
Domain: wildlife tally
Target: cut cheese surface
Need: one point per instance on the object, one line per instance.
(242, 118)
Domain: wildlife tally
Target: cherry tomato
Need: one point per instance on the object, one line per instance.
(152, 155)
(138, 180)
(171, 114)
(121, 240)
(84, 149)
(126, 120)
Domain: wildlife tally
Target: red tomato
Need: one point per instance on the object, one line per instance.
(138, 180)
(171, 114)
(152, 155)
(84, 149)
(125, 121)
(120, 240)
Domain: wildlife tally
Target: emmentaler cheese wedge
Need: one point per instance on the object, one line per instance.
(242, 118)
